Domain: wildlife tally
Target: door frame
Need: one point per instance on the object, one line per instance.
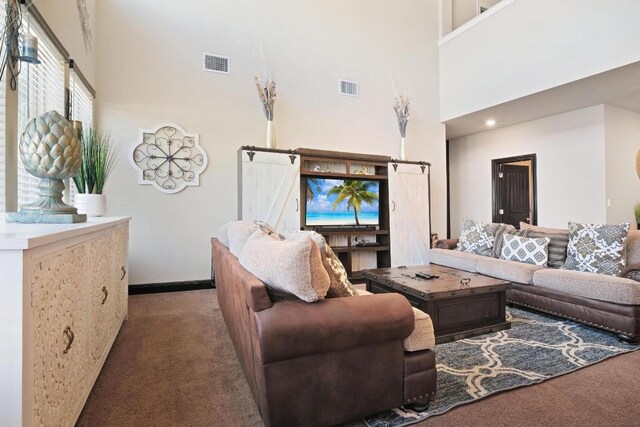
(495, 170)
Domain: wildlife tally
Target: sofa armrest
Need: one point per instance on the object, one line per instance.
(632, 272)
(293, 329)
(447, 243)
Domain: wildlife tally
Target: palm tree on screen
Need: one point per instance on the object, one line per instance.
(355, 193)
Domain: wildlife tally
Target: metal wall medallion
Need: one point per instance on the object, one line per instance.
(169, 158)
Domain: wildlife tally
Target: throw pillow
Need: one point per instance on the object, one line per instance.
(238, 233)
(501, 230)
(596, 248)
(269, 230)
(477, 237)
(557, 245)
(527, 226)
(340, 285)
(292, 266)
(524, 249)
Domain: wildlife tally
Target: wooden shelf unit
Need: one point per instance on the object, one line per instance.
(337, 165)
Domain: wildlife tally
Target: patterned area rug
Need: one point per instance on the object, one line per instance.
(536, 348)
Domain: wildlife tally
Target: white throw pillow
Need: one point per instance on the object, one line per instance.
(525, 249)
(292, 266)
(238, 233)
(477, 237)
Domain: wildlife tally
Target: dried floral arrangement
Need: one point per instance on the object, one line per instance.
(401, 107)
(267, 94)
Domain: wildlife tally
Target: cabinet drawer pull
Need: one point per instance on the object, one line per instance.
(106, 294)
(70, 337)
(124, 272)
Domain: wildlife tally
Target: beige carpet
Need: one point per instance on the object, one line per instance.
(173, 364)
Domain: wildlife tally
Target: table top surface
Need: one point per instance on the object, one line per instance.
(449, 280)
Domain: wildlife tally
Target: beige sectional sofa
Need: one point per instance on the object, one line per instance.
(607, 302)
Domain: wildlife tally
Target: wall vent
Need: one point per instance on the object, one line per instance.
(215, 63)
(348, 88)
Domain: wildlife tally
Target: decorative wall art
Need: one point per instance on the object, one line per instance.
(169, 158)
(85, 23)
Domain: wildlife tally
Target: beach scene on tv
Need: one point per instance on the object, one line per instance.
(341, 202)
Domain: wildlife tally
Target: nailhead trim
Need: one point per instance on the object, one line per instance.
(568, 317)
(420, 397)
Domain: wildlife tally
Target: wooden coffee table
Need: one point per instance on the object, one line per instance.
(460, 304)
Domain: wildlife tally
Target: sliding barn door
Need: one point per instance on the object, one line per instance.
(409, 214)
(270, 190)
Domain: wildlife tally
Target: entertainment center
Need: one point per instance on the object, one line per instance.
(373, 210)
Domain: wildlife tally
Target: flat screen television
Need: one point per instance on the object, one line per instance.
(342, 202)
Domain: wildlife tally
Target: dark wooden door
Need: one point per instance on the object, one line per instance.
(514, 195)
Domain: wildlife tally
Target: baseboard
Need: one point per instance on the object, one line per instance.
(152, 288)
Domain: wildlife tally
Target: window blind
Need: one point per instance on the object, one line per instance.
(81, 110)
(40, 89)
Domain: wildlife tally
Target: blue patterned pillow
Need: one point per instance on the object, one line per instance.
(596, 248)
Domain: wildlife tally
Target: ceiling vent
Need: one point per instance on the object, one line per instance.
(348, 88)
(216, 63)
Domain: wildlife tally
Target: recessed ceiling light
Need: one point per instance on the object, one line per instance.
(490, 122)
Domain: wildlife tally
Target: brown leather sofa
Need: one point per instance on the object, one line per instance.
(321, 363)
(575, 303)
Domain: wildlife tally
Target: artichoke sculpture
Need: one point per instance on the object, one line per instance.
(50, 150)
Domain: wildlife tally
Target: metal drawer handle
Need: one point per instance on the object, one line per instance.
(124, 272)
(70, 337)
(106, 294)
(297, 205)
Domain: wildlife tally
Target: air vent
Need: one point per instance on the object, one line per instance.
(348, 88)
(216, 63)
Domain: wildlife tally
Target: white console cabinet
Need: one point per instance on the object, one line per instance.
(63, 298)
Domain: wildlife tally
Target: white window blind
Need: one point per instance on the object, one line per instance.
(81, 110)
(40, 89)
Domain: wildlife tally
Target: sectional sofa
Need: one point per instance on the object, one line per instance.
(607, 302)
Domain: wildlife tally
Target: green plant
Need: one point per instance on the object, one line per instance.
(636, 210)
(354, 192)
(98, 159)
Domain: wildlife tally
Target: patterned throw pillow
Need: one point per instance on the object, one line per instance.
(596, 248)
(477, 237)
(557, 246)
(524, 249)
(501, 230)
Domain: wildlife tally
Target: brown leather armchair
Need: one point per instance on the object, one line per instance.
(323, 363)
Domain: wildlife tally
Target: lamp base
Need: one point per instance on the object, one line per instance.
(45, 218)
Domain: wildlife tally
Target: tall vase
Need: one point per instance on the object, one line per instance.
(271, 135)
(403, 149)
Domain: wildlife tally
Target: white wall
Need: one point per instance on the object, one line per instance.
(149, 59)
(570, 168)
(530, 46)
(465, 10)
(622, 141)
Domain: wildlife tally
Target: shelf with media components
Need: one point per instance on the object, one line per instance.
(358, 247)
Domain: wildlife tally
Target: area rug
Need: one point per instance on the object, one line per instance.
(536, 348)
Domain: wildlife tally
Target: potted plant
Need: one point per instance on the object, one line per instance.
(98, 160)
(636, 210)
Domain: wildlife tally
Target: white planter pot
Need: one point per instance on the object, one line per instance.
(271, 135)
(91, 204)
(403, 149)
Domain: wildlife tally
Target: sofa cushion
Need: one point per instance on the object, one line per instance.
(340, 285)
(557, 245)
(454, 259)
(590, 285)
(293, 266)
(422, 337)
(238, 232)
(632, 248)
(596, 248)
(477, 237)
(525, 249)
(512, 271)
(527, 226)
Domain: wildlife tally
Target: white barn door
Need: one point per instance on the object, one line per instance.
(270, 190)
(409, 214)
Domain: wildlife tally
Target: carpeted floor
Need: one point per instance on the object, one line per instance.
(173, 364)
